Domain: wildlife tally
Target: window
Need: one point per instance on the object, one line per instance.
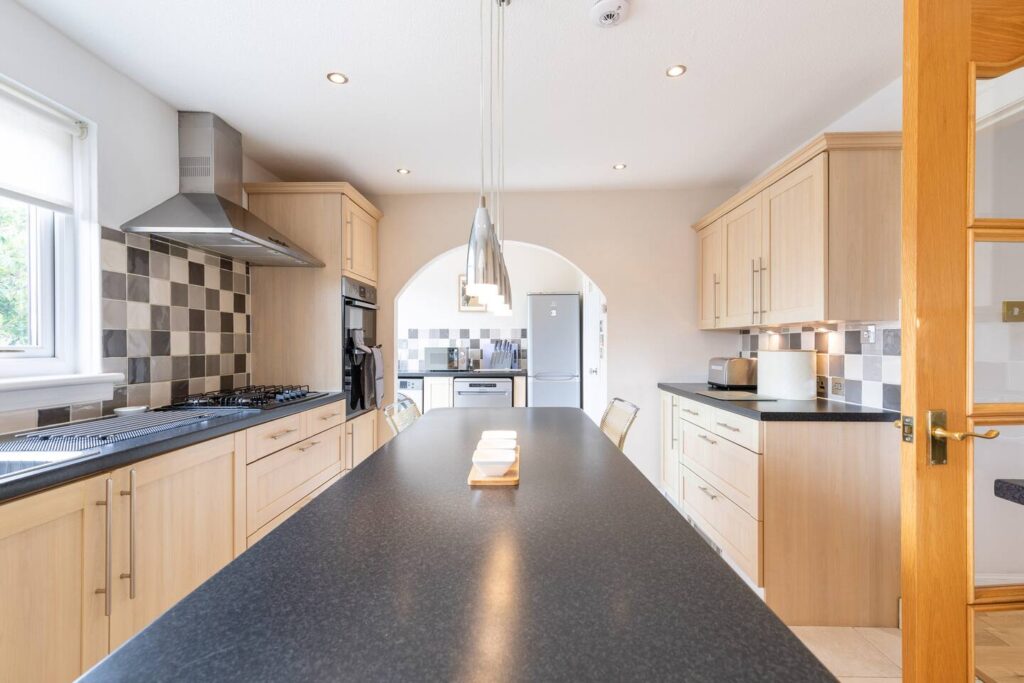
(48, 271)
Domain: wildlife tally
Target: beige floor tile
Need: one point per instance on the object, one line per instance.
(887, 640)
(845, 652)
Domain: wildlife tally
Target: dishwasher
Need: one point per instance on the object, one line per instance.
(483, 393)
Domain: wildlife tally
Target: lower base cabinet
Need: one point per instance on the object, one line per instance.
(362, 437)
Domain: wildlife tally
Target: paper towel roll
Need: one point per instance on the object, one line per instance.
(786, 374)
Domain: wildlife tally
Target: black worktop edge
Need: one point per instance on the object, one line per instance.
(1011, 490)
(817, 410)
(58, 473)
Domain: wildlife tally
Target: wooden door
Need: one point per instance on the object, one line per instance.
(670, 445)
(437, 393)
(360, 242)
(795, 225)
(181, 521)
(712, 273)
(53, 549)
(740, 303)
(961, 259)
(363, 437)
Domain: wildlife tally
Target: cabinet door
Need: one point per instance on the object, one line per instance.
(363, 437)
(185, 516)
(739, 304)
(670, 446)
(53, 548)
(437, 392)
(359, 249)
(795, 246)
(712, 271)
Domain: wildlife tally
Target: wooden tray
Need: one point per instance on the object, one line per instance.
(511, 478)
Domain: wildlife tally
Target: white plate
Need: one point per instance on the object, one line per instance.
(500, 444)
(130, 410)
(499, 434)
(493, 462)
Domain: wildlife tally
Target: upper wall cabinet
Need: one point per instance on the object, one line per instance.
(815, 239)
(359, 244)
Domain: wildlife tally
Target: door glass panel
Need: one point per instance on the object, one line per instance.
(999, 147)
(999, 508)
(999, 322)
(998, 645)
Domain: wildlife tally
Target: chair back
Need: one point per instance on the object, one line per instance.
(617, 419)
(401, 414)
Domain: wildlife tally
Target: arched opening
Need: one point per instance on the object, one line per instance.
(430, 313)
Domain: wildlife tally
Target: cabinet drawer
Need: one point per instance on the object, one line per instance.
(737, 533)
(693, 412)
(273, 436)
(278, 481)
(325, 417)
(295, 507)
(732, 469)
(736, 428)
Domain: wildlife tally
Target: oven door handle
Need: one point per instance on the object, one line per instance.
(361, 304)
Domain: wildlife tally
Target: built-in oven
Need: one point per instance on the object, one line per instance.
(359, 320)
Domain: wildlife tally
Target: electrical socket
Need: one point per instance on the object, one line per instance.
(867, 335)
(822, 385)
(838, 386)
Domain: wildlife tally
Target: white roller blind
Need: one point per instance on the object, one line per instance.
(36, 152)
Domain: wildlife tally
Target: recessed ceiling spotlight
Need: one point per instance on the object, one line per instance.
(619, 167)
(404, 171)
(337, 77)
(675, 71)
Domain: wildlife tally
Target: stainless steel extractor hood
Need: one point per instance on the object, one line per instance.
(207, 211)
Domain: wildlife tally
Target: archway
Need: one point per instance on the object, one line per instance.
(427, 315)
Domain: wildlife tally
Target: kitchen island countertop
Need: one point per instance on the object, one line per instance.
(815, 410)
(400, 571)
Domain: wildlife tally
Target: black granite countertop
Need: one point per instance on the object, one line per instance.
(1010, 489)
(400, 571)
(485, 374)
(126, 452)
(817, 410)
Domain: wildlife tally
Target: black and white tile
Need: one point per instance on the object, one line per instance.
(476, 341)
(870, 370)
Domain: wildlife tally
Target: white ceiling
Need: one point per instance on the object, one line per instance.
(764, 76)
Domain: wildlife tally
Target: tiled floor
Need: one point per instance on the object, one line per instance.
(855, 655)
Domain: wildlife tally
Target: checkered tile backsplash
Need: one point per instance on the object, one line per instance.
(870, 371)
(176, 321)
(475, 341)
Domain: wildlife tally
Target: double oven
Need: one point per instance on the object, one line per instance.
(359, 318)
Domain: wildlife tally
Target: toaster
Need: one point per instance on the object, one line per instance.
(733, 373)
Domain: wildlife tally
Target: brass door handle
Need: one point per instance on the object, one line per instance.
(940, 433)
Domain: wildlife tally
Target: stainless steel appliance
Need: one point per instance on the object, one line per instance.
(554, 364)
(359, 320)
(413, 388)
(258, 396)
(441, 358)
(207, 211)
(483, 393)
(732, 373)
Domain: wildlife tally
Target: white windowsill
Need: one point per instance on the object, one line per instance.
(22, 393)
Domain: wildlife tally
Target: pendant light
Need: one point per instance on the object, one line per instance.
(486, 272)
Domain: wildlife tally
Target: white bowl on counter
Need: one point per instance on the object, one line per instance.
(499, 434)
(493, 462)
(500, 444)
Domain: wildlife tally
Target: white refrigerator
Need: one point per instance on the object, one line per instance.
(554, 360)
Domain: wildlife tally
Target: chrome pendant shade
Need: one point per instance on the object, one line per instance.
(486, 273)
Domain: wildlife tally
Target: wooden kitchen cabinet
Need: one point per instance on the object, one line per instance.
(359, 242)
(711, 273)
(670, 446)
(438, 392)
(815, 239)
(178, 523)
(53, 548)
(362, 436)
(296, 312)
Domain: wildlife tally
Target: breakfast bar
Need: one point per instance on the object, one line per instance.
(402, 571)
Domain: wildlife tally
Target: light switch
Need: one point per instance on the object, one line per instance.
(1013, 311)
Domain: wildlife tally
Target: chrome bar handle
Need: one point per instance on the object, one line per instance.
(351, 241)
(728, 426)
(753, 301)
(716, 300)
(131, 573)
(707, 492)
(761, 272)
(302, 449)
(284, 432)
(109, 531)
(705, 437)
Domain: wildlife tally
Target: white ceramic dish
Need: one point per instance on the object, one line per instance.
(500, 444)
(499, 434)
(493, 462)
(130, 410)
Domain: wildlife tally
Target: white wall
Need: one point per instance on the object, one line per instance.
(637, 246)
(430, 299)
(998, 552)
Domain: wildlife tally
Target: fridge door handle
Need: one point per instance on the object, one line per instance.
(555, 377)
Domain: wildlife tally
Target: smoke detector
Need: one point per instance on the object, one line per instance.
(608, 13)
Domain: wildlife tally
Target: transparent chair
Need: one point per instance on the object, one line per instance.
(617, 419)
(401, 414)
